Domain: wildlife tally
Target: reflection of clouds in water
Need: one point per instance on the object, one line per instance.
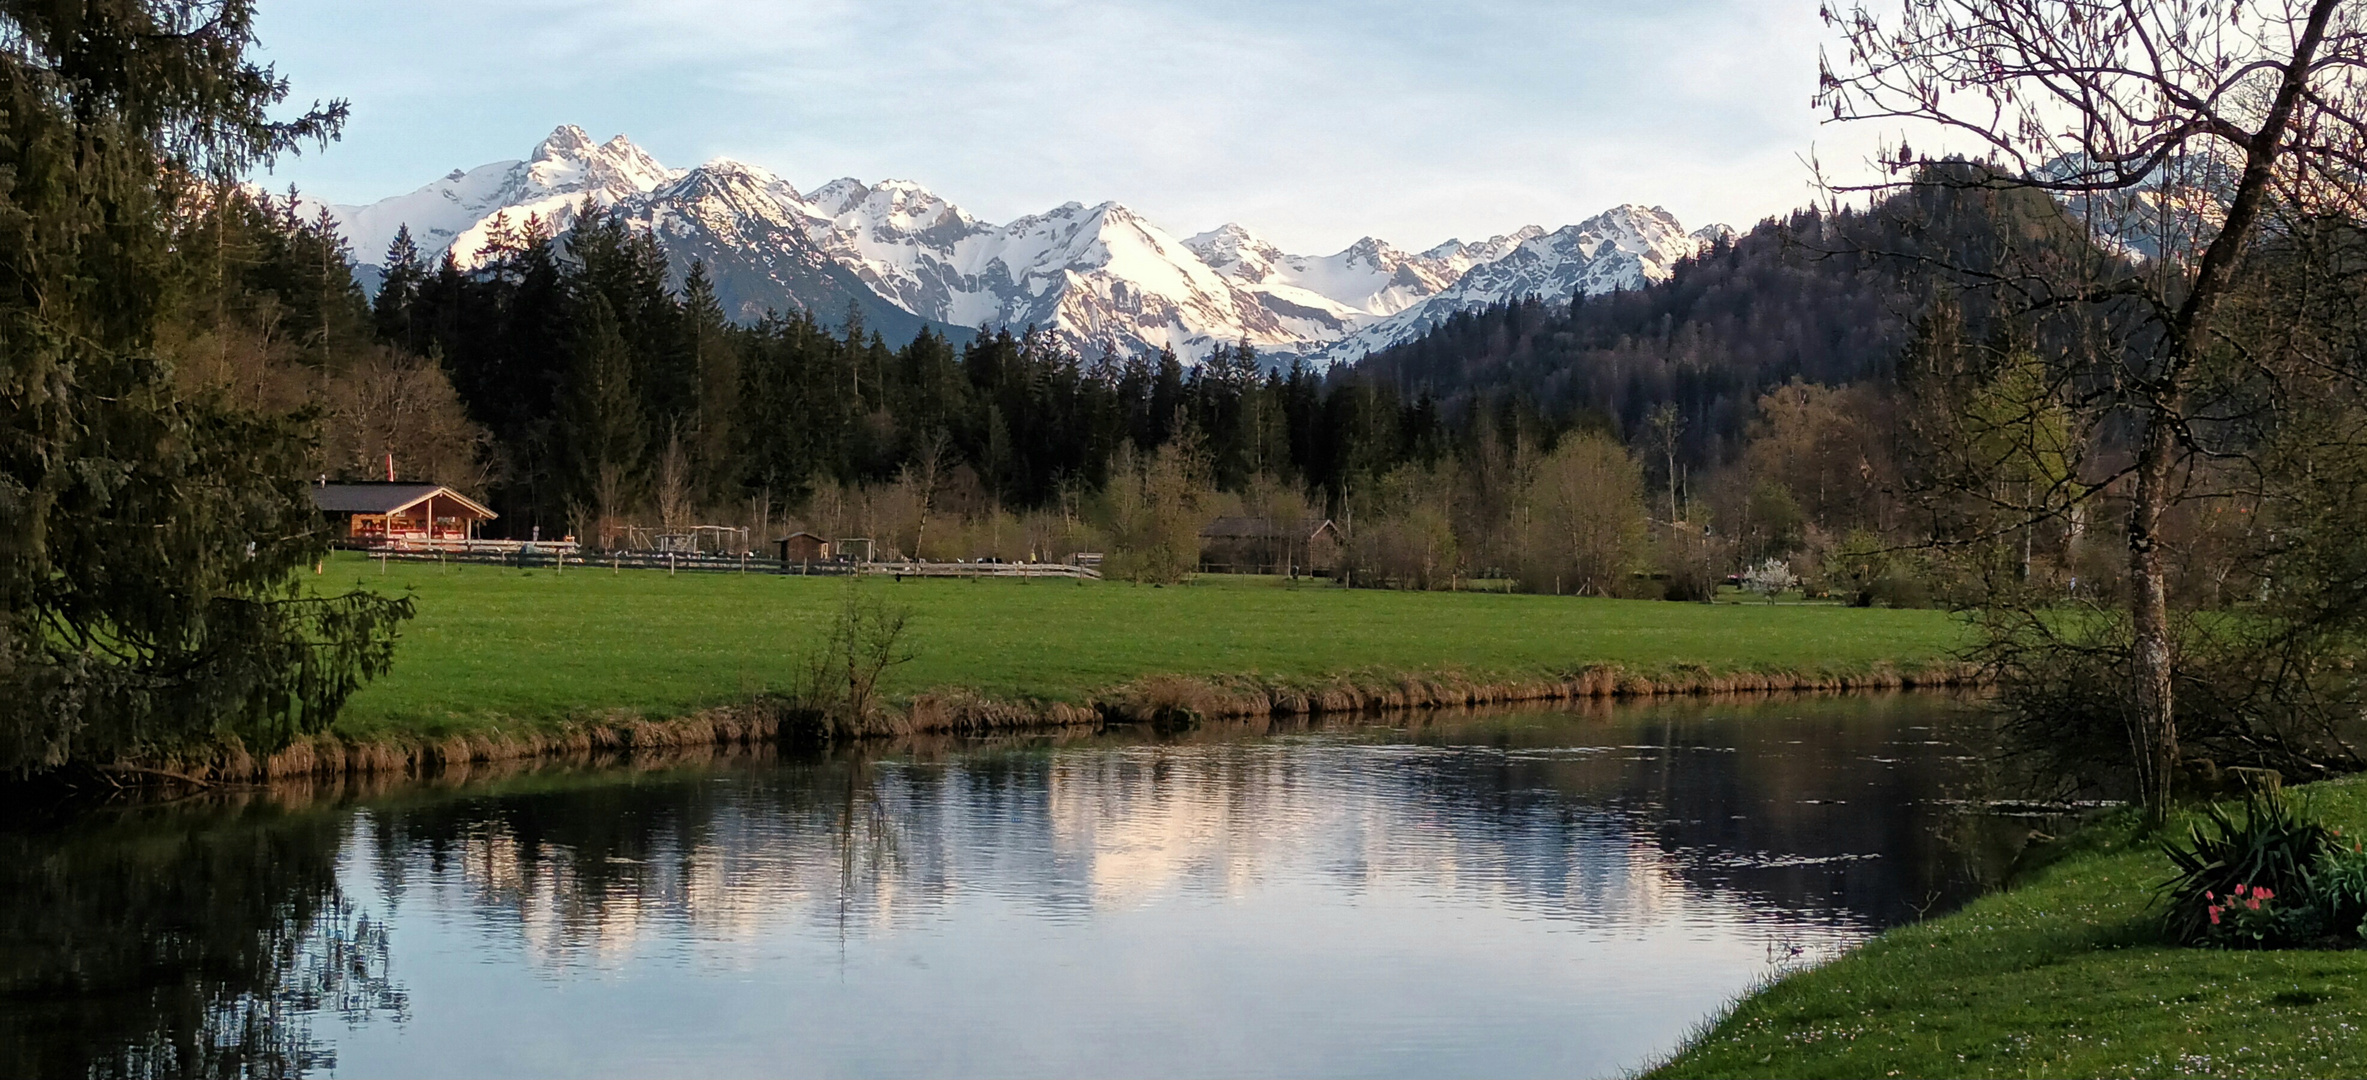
(1073, 833)
(1473, 893)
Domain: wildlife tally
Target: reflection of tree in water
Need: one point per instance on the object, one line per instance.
(204, 941)
(1818, 810)
(181, 943)
(580, 865)
(1801, 805)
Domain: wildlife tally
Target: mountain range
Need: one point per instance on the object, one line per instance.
(1101, 277)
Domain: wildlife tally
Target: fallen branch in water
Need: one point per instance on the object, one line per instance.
(138, 770)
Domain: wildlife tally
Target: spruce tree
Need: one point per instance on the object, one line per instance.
(715, 367)
(604, 433)
(148, 540)
(398, 293)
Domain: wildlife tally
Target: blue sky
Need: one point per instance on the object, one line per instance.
(1313, 123)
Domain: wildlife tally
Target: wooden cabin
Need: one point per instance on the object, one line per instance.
(803, 547)
(1257, 545)
(397, 513)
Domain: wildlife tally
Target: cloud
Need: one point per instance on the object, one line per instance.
(1315, 123)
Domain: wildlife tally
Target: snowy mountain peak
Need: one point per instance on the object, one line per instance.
(567, 161)
(564, 142)
(454, 213)
(1709, 236)
(901, 206)
(1625, 247)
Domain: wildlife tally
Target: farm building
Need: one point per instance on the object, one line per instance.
(375, 513)
(803, 547)
(1257, 545)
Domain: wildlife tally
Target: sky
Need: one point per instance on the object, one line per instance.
(1313, 123)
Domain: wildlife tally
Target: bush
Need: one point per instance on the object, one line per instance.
(2273, 878)
(1770, 578)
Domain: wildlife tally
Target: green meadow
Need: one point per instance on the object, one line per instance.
(2064, 975)
(496, 646)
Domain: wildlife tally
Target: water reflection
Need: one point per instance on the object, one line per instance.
(201, 943)
(1510, 893)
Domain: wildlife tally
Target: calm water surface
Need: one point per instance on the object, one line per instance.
(1519, 893)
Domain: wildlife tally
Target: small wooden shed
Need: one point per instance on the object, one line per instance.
(803, 547)
(1258, 545)
(373, 512)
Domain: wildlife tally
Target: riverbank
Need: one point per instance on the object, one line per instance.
(505, 663)
(2064, 974)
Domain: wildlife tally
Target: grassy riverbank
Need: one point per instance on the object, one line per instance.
(502, 649)
(2064, 975)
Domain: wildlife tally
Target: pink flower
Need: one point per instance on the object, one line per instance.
(2209, 895)
(2264, 894)
(2253, 903)
(2214, 915)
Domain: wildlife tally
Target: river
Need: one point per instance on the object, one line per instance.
(1509, 893)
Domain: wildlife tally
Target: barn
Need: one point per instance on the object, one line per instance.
(398, 513)
(1260, 545)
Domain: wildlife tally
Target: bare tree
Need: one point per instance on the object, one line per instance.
(866, 638)
(1668, 431)
(673, 484)
(925, 475)
(2180, 124)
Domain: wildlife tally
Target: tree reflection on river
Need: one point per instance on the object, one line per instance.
(1548, 892)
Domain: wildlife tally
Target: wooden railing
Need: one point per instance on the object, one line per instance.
(565, 557)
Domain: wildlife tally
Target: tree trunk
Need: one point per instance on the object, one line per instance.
(2153, 728)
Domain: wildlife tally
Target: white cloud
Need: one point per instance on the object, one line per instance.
(1315, 123)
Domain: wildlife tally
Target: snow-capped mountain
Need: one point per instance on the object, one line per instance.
(1625, 247)
(1319, 298)
(1101, 277)
(756, 236)
(454, 212)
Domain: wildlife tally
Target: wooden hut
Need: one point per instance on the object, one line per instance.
(397, 513)
(803, 547)
(1258, 545)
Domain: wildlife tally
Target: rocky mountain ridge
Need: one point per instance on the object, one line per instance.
(1101, 277)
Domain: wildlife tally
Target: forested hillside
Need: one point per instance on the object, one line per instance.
(1826, 298)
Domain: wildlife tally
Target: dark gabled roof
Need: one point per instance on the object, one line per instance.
(1231, 528)
(795, 535)
(385, 498)
(1257, 528)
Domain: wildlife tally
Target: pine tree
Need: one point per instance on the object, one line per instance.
(604, 430)
(715, 364)
(148, 540)
(398, 293)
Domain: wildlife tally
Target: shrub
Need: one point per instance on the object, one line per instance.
(2267, 879)
(1770, 578)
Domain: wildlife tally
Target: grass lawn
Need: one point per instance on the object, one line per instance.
(2063, 976)
(505, 646)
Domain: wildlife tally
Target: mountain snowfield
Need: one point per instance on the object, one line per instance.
(1101, 277)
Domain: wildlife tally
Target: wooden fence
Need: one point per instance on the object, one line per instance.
(530, 556)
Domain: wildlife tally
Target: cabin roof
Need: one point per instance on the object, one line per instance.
(807, 535)
(379, 497)
(1257, 528)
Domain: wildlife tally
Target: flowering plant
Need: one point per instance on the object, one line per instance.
(1770, 577)
(2246, 881)
(2248, 915)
